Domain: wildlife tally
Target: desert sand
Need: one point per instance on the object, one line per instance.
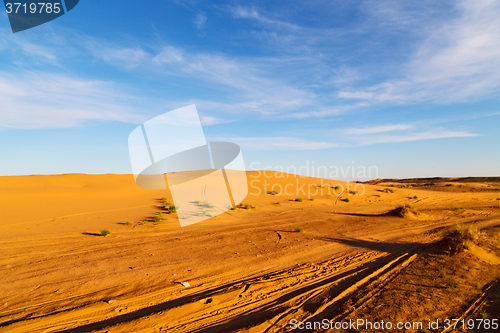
(248, 270)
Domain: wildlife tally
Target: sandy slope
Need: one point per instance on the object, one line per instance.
(247, 268)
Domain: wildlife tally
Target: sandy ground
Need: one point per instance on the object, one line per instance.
(249, 270)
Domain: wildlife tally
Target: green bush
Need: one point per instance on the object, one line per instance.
(159, 217)
(298, 199)
(105, 232)
(298, 229)
(388, 190)
(346, 200)
(173, 209)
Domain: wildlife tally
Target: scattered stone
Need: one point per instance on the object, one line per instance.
(112, 301)
(186, 284)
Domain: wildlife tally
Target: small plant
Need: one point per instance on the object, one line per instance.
(274, 193)
(378, 195)
(389, 190)
(415, 197)
(127, 222)
(485, 314)
(336, 187)
(159, 217)
(277, 203)
(451, 284)
(247, 206)
(207, 204)
(498, 198)
(143, 222)
(355, 192)
(105, 232)
(404, 210)
(164, 201)
(298, 199)
(312, 199)
(233, 208)
(345, 200)
(459, 237)
(298, 229)
(173, 209)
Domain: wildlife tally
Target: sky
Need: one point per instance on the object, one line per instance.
(409, 88)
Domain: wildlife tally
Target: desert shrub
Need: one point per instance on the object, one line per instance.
(312, 199)
(274, 193)
(159, 217)
(459, 237)
(298, 229)
(336, 187)
(389, 190)
(207, 204)
(143, 222)
(298, 199)
(346, 200)
(173, 209)
(404, 210)
(233, 208)
(247, 206)
(105, 232)
(415, 197)
(127, 222)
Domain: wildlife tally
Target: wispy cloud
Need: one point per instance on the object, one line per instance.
(378, 129)
(435, 134)
(280, 143)
(247, 12)
(457, 61)
(46, 100)
(200, 20)
(208, 121)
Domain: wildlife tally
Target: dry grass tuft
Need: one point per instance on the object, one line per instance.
(459, 237)
(404, 210)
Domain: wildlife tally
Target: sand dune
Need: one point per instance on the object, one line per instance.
(249, 269)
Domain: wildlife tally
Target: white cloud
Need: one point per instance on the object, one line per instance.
(46, 100)
(200, 20)
(428, 135)
(168, 54)
(280, 143)
(378, 129)
(457, 61)
(207, 121)
(252, 13)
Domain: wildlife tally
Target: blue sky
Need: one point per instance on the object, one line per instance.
(411, 87)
